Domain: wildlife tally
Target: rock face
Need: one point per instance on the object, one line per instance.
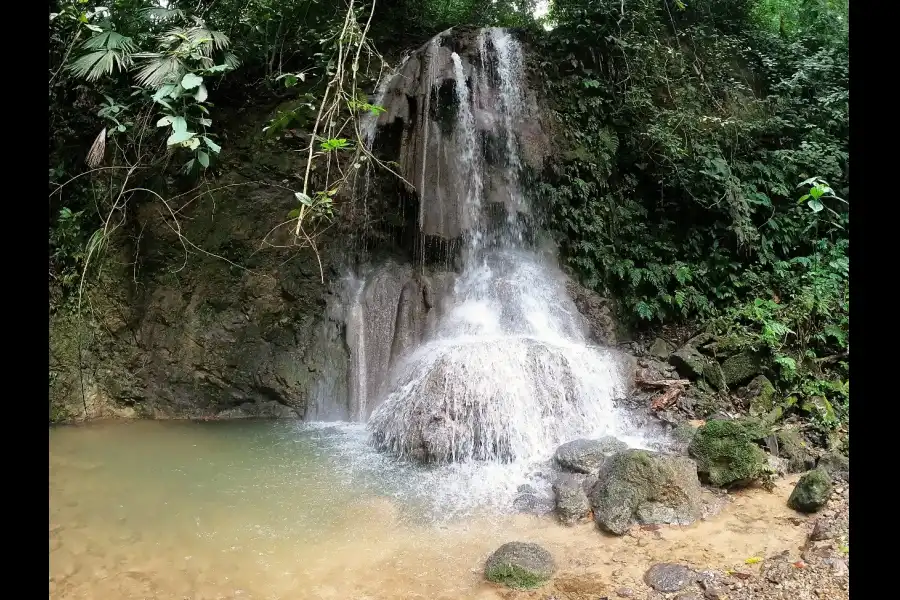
(571, 499)
(835, 464)
(812, 492)
(587, 456)
(520, 565)
(761, 395)
(727, 453)
(790, 445)
(669, 577)
(636, 486)
(189, 335)
(598, 313)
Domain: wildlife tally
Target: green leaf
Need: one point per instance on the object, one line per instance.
(205, 122)
(303, 198)
(163, 91)
(294, 214)
(203, 158)
(167, 120)
(192, 143)
(815, 205)
(201, 94)
(120, 127)
(214, 147)
(188, 166)
(179, 137)
(190, 81)
(179, 124)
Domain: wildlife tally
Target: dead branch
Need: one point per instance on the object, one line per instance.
(667, 398)
(662, 383)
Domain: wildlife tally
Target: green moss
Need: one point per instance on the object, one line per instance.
(739, 368)
(796, 450)
(513, 576)
(727, 453)
(762, 395)
(811, 492)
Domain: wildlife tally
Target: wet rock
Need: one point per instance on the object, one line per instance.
(625, 592)
(835, 464)
(526, 488)
(597, 312)
(669, 577)
(571, 498)
(812, 491)
(520, 565)
(528, 503)
(727, 453)
(586, 456)
(761, 395)
(637, 486)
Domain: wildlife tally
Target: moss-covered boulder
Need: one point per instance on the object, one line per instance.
(811, 492)
(760, 394)
(740, 368)
(791, 446)
(520, 565)
(637, 486)
(727, 452)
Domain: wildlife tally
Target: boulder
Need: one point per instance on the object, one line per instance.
(811, 492)
(661, 349)
(571, 499)
(669, 577)
(688, 361)
(636, 486)
(761, 395)
(727, 453)
(835, 464)
(586, 456)
(790, 445)
(520, 565)
(740, 368)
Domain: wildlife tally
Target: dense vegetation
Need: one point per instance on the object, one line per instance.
(702, 176)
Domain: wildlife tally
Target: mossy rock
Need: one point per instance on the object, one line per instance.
(647, 488)
(727, 452)
(520, 565)
(689, 362)
(740, 368)
(812, 491)
(761, 394)
(792, 447)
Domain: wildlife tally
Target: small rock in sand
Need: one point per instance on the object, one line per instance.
(669, 577)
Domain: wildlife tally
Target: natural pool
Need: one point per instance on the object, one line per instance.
(267, 510)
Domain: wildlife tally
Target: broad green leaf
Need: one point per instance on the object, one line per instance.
(120, 128)
(803, 198)
(178, 137)
(303, 198)
(815, 205)
(190, 81)
(203, 158)
(179, 124)
(214, 147)
(294, 213)
(167, 120)
(816, 192)
(205, 122)
(163, 91)
(192, 143)
(201, 94)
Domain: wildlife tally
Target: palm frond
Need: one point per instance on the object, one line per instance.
(232, 60)
(163, 14)
(95, 64)
(109, 40)
(160, 70)
(97, 151)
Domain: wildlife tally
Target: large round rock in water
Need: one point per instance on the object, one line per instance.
(520, 565)
(587, 456)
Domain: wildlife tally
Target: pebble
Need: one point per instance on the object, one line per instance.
(625, 592)
(669, 577)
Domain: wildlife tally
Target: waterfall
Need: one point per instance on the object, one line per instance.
(507, 374)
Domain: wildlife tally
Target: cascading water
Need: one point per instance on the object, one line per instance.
(508, 374)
